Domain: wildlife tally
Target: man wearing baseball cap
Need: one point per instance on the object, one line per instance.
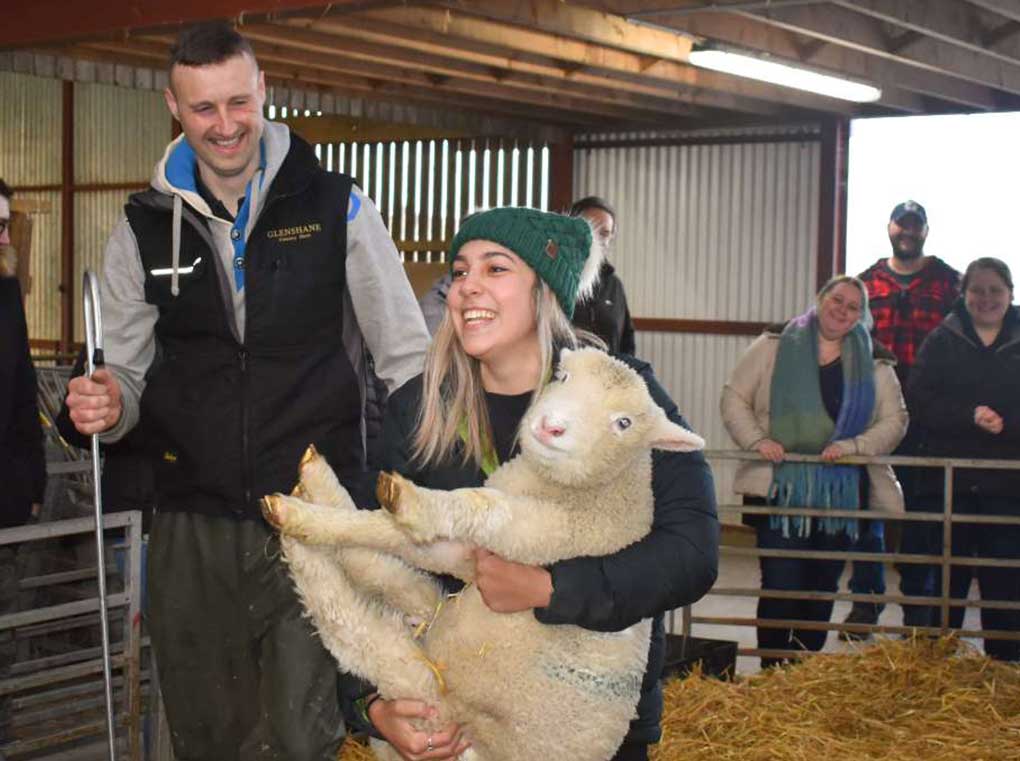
(909, 294)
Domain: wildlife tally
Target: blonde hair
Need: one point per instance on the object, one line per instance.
(452, 392)
(865, 319)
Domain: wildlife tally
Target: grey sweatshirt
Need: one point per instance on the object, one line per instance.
(379, 306)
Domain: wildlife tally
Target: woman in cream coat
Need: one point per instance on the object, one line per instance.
(816, 385)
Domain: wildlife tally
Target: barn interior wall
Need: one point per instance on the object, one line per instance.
(722, 231)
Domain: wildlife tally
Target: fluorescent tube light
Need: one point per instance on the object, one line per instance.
(783, 74)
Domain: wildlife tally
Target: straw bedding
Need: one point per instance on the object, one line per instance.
(922, 700)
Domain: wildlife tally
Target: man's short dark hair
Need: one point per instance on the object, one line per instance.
(208, 43)
(5, 190)
(592, 202)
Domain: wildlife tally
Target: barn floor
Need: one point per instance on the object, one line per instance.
(742, 571)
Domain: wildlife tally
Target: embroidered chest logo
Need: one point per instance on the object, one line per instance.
(295, 233)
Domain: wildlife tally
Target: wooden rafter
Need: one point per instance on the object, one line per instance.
(547, 79)
(900, 82)
(848, 28)
(431, 30)
(139, 53)
(548, 16)
(47, 22)
(947, 21)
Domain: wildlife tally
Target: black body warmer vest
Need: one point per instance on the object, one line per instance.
(231, 416)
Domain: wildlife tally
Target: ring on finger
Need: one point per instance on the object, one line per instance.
(429, 747)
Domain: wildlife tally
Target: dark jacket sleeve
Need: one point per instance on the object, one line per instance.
(26, 428)
(675, 565)
(927, 400)
(627, 342)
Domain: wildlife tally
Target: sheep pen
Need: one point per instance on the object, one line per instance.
(895, 700)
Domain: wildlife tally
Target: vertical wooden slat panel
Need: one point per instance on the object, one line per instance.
(410, 182)
(466, 184)
(383, 177)
(481, 179)
(421, 200)
(493, 172)
(508, 178)
(432, 187)
(450, 148)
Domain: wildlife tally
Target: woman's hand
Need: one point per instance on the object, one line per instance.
(988, 419)
(508, 587)
(771, 450)
(394, 720)
(832, 452)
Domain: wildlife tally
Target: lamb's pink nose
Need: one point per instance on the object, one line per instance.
(552, 429)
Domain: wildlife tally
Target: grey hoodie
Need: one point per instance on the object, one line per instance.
(380, 310)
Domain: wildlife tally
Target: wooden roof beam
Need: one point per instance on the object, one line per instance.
(900, 82)
(948, 21)
(698, 86)
(31, 23)
(850, 29)
(142, 54)
(485, 68)
(326, 54)
(616, 106)
(1009, 9)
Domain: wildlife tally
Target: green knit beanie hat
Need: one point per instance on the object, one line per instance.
(559, 248)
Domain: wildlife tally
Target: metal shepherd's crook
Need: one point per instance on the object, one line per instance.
(94, 361)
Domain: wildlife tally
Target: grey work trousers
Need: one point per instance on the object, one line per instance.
(244, 676)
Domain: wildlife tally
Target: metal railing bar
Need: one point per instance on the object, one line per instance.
(63, 674)
(872, 515)
(784, 594)
(879, 557)
(63, 528)
(932, 462)
(55, 612)
(777, 623)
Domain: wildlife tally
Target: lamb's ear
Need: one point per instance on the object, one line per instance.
(675, 438)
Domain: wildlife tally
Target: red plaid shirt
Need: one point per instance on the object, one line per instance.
(904, 316)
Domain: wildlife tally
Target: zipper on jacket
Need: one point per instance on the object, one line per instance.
(242, 357)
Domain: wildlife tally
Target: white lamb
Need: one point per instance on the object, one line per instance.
(522, 689)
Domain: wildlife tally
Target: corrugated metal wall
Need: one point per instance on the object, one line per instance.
(709, 232)
(30, 128)
(119, 133)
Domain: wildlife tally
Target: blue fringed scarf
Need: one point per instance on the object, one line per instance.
(799, 421)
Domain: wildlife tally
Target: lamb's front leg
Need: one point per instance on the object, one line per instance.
(371, 529)
(518, 528)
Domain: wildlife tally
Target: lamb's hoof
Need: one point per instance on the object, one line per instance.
(388, 490)
(310, 455)
(273, 510)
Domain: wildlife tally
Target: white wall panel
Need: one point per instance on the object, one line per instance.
(710, 231)
(718, 232)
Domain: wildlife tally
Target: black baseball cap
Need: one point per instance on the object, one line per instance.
(906, 208)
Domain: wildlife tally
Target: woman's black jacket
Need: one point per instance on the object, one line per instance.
(954, 373)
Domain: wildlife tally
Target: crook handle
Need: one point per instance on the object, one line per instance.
(93, 323)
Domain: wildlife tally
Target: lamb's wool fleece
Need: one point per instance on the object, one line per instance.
(522, 689)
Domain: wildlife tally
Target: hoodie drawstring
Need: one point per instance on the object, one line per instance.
(176, 255)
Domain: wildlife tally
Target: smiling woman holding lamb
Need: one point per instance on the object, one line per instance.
(517, 274)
